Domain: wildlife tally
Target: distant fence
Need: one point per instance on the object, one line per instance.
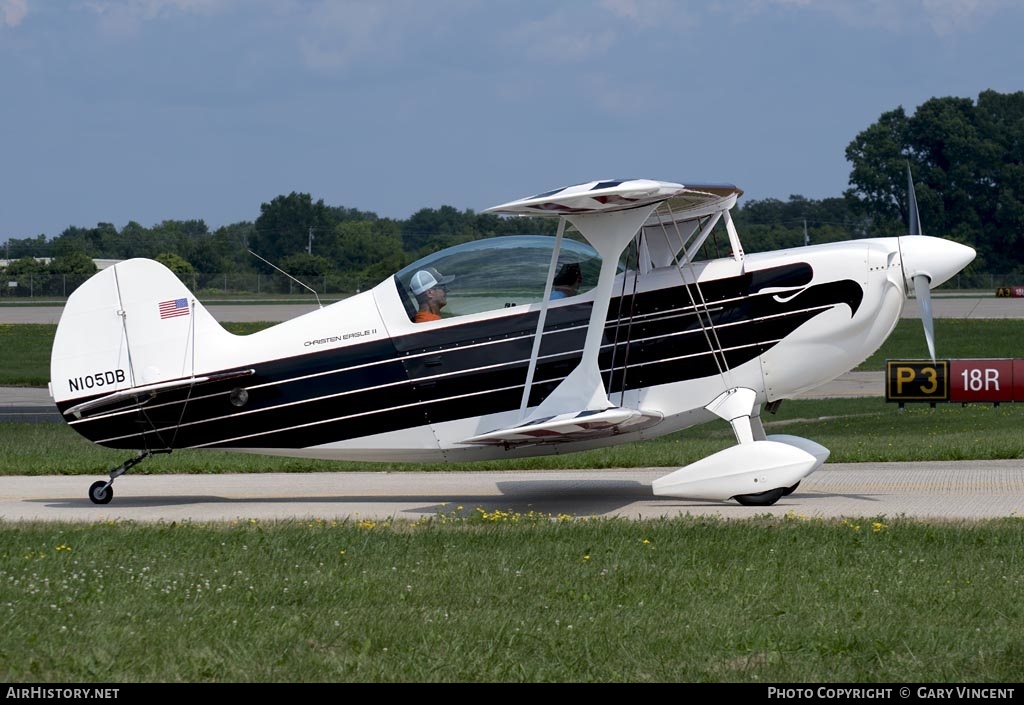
(34, 286)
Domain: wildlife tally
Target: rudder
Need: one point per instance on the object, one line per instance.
(132, 324)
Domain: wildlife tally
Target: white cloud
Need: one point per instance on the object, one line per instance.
(13, 11)
(335, 35)
(940, 17)
(948, 16)
(124, 18)
(558, 38)
(663, 14)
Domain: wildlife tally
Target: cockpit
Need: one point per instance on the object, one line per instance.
(496, 273)
(690, 226)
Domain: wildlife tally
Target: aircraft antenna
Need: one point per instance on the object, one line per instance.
(289, 276)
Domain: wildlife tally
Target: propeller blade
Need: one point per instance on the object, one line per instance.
(913, 216)
(923, 291)
(922, 283)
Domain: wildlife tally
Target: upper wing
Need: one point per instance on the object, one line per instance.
(592, 197)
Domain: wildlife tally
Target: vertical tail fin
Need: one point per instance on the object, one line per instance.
(130, 325)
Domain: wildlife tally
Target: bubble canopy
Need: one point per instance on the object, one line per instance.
(497, 272)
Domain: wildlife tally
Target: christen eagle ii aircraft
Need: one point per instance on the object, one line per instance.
(664, 333)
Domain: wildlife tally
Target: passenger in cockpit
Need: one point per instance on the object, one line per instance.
(431, 290)
(567, 281)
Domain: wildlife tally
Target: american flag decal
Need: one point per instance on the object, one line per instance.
(174, 307)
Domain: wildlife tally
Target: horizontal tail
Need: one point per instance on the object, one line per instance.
(131, 325)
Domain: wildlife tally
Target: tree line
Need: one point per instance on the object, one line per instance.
(966, 157)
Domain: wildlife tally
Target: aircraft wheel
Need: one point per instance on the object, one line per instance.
(790, 490)
(761, 499)
(99, 493)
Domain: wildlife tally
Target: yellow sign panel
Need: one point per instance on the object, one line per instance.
(916, 380)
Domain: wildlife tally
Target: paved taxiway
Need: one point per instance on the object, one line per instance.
(955, 491)
(968, 490)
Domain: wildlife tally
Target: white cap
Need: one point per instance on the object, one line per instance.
(427, 279)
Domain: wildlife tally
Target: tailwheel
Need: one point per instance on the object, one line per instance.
(762, 499)
(101, 492)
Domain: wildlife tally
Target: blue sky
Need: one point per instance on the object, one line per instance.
(147, 110)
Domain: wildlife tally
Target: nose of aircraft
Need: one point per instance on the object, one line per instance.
(935, 258)
(928, 262)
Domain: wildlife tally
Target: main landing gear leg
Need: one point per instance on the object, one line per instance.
(740, 409)
(757, 471)
(102, 491)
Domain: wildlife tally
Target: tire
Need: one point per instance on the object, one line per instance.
(761, 499)
(100, 493)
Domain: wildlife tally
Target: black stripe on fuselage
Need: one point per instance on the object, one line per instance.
(478, 368)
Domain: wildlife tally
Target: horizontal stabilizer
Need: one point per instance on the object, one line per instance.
(576, 426)
(150, 390)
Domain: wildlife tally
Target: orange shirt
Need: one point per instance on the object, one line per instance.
(424, 316)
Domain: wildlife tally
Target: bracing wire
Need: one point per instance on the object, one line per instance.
(699, 303)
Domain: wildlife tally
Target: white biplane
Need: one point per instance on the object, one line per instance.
(672, 326)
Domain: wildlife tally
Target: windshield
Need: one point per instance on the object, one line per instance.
(494, 273)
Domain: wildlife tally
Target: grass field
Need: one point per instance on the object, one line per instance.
(495, 599)
(508, 598)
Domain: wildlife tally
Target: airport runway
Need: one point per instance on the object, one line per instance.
(942, 491)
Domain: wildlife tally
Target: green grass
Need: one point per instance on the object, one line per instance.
(514, 598)
(954, 339)
(25, 354)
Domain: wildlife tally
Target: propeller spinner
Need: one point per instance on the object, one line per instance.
(928, 262)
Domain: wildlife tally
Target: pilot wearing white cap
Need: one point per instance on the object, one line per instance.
(431, 289)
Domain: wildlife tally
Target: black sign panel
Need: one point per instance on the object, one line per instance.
(916, 380)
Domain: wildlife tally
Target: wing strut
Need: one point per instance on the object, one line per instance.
(608, 214)
(541, 319)
(579, 408)
(629, 325)
(583, 389)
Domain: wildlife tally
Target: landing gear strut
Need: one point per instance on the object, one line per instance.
(102, 491)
